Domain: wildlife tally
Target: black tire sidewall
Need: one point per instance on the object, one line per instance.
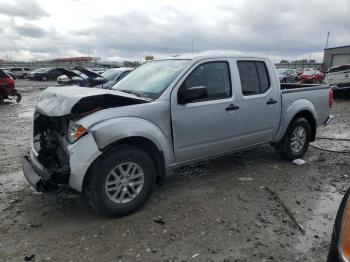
(110, 160)
(305, 124)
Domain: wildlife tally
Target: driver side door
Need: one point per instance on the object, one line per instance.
(204, 127)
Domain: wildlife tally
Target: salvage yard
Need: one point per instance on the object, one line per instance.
(247, 206)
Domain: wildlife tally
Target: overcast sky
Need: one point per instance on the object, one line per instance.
(40, 29)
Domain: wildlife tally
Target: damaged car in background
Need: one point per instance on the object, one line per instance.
(80, 76)
(288, 75)
(7, 88)
(114, 145)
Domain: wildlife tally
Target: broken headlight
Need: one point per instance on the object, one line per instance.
(75, 132)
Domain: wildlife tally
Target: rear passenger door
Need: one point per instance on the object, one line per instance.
(259, 102)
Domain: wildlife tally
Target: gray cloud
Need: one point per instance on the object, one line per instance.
(29, 30)
(285, 29)
(28, 9)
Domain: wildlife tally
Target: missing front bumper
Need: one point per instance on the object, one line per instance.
(42, 179)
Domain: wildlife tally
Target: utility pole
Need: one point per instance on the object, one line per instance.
(192, 43)
(327, 39)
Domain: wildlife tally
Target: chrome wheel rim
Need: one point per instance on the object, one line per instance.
(124, 182)
(298, 139)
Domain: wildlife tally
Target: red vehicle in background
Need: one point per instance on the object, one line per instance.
(311, 76)
(7, 87)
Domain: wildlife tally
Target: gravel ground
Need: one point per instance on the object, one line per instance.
(209, 212)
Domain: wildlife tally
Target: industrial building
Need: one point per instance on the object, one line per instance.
(336, 56)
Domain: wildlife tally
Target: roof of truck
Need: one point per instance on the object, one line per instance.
(202, 57)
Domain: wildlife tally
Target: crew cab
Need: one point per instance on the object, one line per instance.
(113, 145)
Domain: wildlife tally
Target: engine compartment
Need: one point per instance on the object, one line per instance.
(50, 144)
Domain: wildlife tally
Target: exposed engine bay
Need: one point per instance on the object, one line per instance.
(50, 144)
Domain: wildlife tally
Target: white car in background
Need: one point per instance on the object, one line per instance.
(338, 77)
(19, 72)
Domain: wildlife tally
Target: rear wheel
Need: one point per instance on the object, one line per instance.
(43, 78)
(121, 182)
(1, 99)
(296, 140)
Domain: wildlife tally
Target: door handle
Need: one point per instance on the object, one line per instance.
(232, 107)
(271, 101)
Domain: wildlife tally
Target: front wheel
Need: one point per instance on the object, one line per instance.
(121, 182)
(43, 78)
(296, 140)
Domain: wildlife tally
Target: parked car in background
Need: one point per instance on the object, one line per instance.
(114, 75)
(19, 72)
(113, 145)
(44, 74)
(311, 76)
(300, 71)
(340, 245)
(71, 77)
(93, 79)
(99, 71)
(7, 87)
(287, 75)
(338, 77)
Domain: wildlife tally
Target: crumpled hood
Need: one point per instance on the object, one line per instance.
(60, 101)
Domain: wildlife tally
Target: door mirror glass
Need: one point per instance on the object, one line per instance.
(193, 93)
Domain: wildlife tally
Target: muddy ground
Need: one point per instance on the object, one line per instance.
(209, 213)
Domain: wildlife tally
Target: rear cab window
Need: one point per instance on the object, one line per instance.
(254, 77)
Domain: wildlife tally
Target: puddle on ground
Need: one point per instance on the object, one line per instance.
(321, 220)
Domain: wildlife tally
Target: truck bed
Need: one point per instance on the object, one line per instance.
(289, 88)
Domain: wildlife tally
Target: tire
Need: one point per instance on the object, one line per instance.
(1, 99)
(286, 149)
(43, 78)
(101, 188)
(25, 76)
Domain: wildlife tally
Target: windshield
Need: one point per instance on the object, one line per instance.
(111, 74)
(152, 78)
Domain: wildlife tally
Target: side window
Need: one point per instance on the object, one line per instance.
(263, 76)
(254, 77)
(215, 76)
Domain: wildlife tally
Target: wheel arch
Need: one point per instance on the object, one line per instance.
(144, 144)
(299, 108)
(310, 118)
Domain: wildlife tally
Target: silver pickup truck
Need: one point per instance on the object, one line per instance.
(114, 145)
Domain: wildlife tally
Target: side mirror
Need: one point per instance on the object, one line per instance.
(193, 93)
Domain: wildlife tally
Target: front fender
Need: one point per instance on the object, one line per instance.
(290, 112)
(112, 130)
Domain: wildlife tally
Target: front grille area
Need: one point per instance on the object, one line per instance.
(49, 142)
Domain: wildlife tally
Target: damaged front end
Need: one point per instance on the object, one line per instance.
(47, 166)
(52, 165)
